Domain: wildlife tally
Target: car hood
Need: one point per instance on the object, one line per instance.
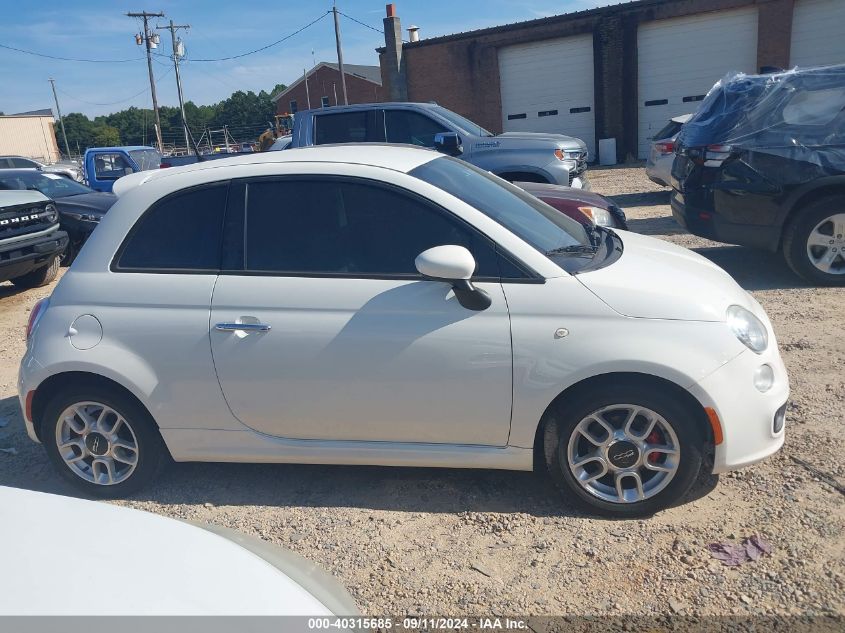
(14, 197)
(172, 568)
(543, 190)
(655, 279)
(539, 139)
(96, 201)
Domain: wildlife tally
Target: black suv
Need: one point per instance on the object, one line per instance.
(762, 164)
(30, 239)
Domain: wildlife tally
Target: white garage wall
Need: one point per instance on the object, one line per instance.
(818, 33)
(684, 57)
(548, 76)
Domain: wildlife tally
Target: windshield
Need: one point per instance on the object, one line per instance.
(543, 227)
(51, 185)
(462, 123)
(146, 158)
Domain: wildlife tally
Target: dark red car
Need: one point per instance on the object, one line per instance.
(584, 206)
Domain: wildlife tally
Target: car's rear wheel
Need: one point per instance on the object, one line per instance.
(40, 276)
(814, 243)
(102, 441)
(623, 451)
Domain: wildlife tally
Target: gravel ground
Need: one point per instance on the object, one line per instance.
(451, 542)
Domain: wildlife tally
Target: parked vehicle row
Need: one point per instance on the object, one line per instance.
(389, 305)
(80, 208)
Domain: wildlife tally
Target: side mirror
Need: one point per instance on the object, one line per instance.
(448, 143)
(454, 265)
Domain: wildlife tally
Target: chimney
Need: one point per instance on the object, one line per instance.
(397, 85)
(413, 33)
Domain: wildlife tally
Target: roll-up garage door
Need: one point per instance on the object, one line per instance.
(818, 33)
(547, 86)
(680, 59)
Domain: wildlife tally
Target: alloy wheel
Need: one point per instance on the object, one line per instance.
(826, 245)
(623, 453)
(97, 443)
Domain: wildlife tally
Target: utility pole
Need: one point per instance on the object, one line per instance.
(61, 121)
(149, 38)
(339, 53)
(179, 51)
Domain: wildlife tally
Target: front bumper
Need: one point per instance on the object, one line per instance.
(747, 416)
(23, 256)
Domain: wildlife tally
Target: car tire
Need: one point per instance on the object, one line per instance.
(40, 276)
(74, 443)
(804, 241)
(675, 427)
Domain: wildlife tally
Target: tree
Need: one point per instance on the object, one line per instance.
(105, 135)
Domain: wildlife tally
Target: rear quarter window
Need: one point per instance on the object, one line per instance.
(358, 126)
(180, 233)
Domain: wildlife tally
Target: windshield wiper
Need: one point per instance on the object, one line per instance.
(578, 249)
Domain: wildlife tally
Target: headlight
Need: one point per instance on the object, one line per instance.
(52, 212)
(748, 328)
(598, 215)
(565, 154)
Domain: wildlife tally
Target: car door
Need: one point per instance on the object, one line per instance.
(321, 328)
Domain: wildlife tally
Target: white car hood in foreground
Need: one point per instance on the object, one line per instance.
(14, 197)
(656, 279)
(67, 556)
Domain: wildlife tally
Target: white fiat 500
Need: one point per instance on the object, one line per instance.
(389, 305)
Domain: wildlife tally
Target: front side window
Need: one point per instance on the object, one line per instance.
(109, 166)
(179, 233)
(23, 162)
(543, 227)
(349, 227)
(413, 128)
(358, 126)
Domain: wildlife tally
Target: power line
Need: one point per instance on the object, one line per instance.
(372, 28)
(138, 94)
(264, 48)
(71, 59)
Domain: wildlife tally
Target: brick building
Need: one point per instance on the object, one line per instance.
(323, 88)
(612, 72)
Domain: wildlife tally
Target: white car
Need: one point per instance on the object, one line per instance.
(139, 563)
(661, 155)
(366, 304)
(68, 169)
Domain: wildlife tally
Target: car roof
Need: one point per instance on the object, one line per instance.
(115, 148)
(402, 158)
(366, 106)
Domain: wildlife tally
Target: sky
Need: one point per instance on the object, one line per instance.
(100, 30)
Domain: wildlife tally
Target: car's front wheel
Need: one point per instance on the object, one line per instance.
(40, 276)
(814, 243)
(623, 451)
(102, 441)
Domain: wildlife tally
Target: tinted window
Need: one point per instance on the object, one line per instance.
(347, 127)
(22, 162)
(182, 232)
(405, 126)
(531, 219)
(348, 227)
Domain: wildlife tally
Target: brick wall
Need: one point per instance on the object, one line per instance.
(461, 71)
(323, 83)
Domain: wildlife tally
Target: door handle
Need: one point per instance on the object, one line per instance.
(245, 327)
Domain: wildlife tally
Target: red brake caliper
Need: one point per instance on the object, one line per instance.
(655, 438)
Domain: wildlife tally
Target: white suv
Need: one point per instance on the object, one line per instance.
(390, 305)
